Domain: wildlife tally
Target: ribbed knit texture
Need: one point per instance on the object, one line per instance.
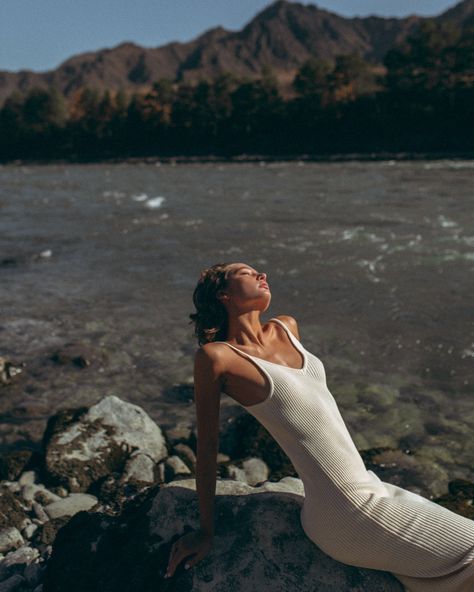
(348, 511)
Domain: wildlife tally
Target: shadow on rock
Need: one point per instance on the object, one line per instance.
(259, 544)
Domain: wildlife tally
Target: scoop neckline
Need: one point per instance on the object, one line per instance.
(293, 340)
(281, 365)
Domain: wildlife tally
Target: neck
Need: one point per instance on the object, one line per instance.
(245, 329)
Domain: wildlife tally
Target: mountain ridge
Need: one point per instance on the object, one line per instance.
(281, 36)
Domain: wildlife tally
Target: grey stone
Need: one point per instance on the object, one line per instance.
(186, 453)
(13, 486)
(22, 555)
(32, 573)
(178, 433)
(235, 473)
(16, 561)
(40, 513)
(132, 424)
(28, 493)
(100, 441)
(160, 472)
(14, 583)
(8, 370)
(10, 538)
(27, 478)
(262, 529)
(175, 466)
(139, 467)
(12, 511)
(44, 496)
(252, 471)
(29, 530)
(259, 545)
(61, 491)
(256, 470)
(69, 506)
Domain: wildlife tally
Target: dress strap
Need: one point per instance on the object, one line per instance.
(257, 363)
(236, 348)
(293, 339)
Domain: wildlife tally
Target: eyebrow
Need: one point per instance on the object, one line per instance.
(243, 267)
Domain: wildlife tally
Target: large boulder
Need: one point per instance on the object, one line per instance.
(83, 447)
(259, 545)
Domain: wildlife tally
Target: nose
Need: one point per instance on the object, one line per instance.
(262, 275)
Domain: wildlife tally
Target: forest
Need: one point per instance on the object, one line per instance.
(420, 101)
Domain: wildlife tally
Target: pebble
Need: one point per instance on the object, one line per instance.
(21, 557)
(139, 467)
(256, 470)
(71, 505)
(40, 513)
(10, 538)
(186, 454)
(13, 486)
(29, 530)
(178, 433)
(27, 478)
(177, 466)
(235, 473)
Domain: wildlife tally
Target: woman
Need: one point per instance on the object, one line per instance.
(348, 511)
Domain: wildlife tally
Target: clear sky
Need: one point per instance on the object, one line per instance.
(40, 34)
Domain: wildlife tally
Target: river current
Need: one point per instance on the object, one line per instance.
(374, 259)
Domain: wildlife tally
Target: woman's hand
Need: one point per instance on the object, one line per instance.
(196, 543)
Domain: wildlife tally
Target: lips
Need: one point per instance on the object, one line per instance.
(263, 286)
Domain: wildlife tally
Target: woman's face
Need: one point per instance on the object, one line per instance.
(246, 285)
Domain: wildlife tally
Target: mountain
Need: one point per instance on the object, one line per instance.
(282, 36)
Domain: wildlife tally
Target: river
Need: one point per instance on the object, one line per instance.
(374, 259)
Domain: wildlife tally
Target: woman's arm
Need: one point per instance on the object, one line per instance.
(207, 389)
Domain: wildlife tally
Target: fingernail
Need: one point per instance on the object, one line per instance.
(186, 566)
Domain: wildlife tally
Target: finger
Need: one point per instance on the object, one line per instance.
(192, 560)
(172, 562)
(175, 561)
(175, 551)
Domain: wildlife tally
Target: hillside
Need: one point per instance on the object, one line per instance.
(282, 36)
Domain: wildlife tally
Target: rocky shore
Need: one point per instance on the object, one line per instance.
(256, 158)
(99, 505)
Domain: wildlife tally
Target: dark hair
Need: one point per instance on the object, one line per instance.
(210, 318)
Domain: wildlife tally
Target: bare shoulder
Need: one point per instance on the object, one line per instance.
(291, 323)
(211, 356)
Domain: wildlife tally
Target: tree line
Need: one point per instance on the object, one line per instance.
(421, 101)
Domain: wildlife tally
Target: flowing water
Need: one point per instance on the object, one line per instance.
(374, 259)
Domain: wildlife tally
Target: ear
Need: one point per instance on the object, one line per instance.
(221, 295)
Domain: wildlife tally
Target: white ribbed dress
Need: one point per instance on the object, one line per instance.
(348, 511)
